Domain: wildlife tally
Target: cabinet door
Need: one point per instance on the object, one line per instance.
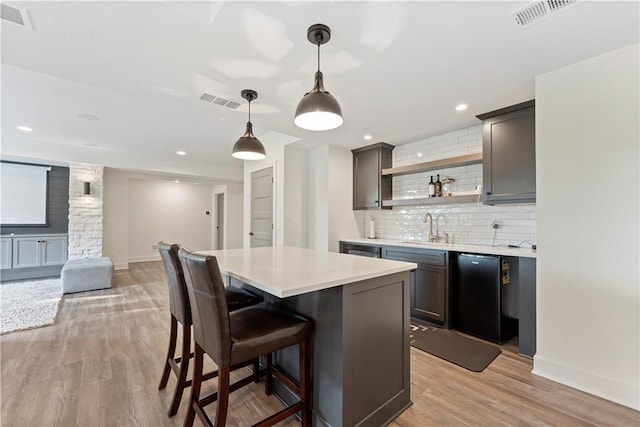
(509, 162)
(370, 187)
(53, 250)
(429, 282)
(5, 252)
(428, 299)
(26, 252)
(366, 176)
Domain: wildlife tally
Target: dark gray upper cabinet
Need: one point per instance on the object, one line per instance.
(370, 187)
(509, 154)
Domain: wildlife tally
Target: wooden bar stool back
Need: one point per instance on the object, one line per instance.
(181, 314)
(233, 339)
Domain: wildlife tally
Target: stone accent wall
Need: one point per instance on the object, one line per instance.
(85, 211)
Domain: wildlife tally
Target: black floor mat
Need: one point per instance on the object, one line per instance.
(450, 346)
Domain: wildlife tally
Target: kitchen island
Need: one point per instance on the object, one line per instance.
(360, 310)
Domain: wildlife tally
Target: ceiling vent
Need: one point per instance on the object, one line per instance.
(219, 100)
(539, 10)
(15, 15)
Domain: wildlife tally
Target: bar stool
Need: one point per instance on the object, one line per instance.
(234, 339)
(181, 313)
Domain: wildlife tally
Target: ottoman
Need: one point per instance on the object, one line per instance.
(86, 274)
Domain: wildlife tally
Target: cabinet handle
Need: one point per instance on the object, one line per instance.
(488, 193)
(251, 233)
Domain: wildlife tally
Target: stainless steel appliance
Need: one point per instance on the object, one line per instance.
(362, 250)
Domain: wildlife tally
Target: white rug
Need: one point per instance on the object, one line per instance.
(29, 304)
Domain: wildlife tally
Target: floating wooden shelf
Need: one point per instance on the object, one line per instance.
(471, 198)
(468, 159)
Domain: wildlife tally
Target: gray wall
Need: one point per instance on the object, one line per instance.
(57, 206)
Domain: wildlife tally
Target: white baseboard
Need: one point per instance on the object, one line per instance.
(145, 258)
(121, 266)
(624, 393)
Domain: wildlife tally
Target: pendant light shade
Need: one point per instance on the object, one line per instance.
(318, 109)
(248, 147)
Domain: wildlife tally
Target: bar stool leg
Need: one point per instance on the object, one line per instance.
(256, 369)
(195, 387)
(223, 396)
(305, 381)
(173, 336)
(268, 379)
(184, 368)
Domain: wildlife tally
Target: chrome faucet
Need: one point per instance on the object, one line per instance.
(429, 218)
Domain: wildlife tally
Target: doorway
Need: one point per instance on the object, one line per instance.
(261, 231)
(219, 222)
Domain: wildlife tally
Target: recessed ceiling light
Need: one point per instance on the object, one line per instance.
(419, 154)
(368, 137)
(177, 182)
(90, 117)
(181, 153)
(25, 128)
(461, 107)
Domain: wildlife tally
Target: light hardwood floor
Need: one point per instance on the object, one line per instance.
(101, 363)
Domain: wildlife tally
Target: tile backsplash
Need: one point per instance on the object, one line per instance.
(464, 222)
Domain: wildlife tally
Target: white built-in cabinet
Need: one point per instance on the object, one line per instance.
(33, 251)
(5, 252)
(39, 251)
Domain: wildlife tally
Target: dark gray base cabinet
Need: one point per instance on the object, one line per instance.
(361, 353)
(429, 282)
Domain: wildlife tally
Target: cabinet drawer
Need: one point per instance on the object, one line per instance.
(419, 256)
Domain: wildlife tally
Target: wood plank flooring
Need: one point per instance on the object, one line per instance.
(101, 363)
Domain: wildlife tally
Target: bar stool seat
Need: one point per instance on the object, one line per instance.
(235, 339)
(181, 314)
(262, 329)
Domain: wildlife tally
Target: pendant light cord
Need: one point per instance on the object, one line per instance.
(318, 55)
(249, 111)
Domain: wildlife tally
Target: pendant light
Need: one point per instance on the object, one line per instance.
(248, 147)
(318, 109)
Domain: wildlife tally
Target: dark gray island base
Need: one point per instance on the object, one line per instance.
(361, 359)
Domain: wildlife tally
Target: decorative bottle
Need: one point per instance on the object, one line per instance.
(432, 188)
(438, 186)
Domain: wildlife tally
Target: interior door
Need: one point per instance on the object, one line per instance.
(219, 221)
(262, 208)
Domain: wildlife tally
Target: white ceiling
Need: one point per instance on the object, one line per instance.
(398, 70)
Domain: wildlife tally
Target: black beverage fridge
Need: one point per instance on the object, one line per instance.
(481, 288)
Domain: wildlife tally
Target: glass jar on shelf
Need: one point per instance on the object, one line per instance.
(447, 186)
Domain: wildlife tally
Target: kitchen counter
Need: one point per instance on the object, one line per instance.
(360, 312)
(453, 247)
(287, 271)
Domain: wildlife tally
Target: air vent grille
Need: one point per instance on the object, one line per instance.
(219, 100)
(207, 97)
(15, 15)
(538, 10)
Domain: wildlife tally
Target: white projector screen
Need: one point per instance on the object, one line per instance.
(23, 194)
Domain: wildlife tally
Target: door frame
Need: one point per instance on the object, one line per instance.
(246, 241)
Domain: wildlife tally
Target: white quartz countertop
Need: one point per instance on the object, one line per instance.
(455, 247)
(287, 271)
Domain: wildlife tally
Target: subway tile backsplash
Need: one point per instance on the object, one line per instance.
(466, 222)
